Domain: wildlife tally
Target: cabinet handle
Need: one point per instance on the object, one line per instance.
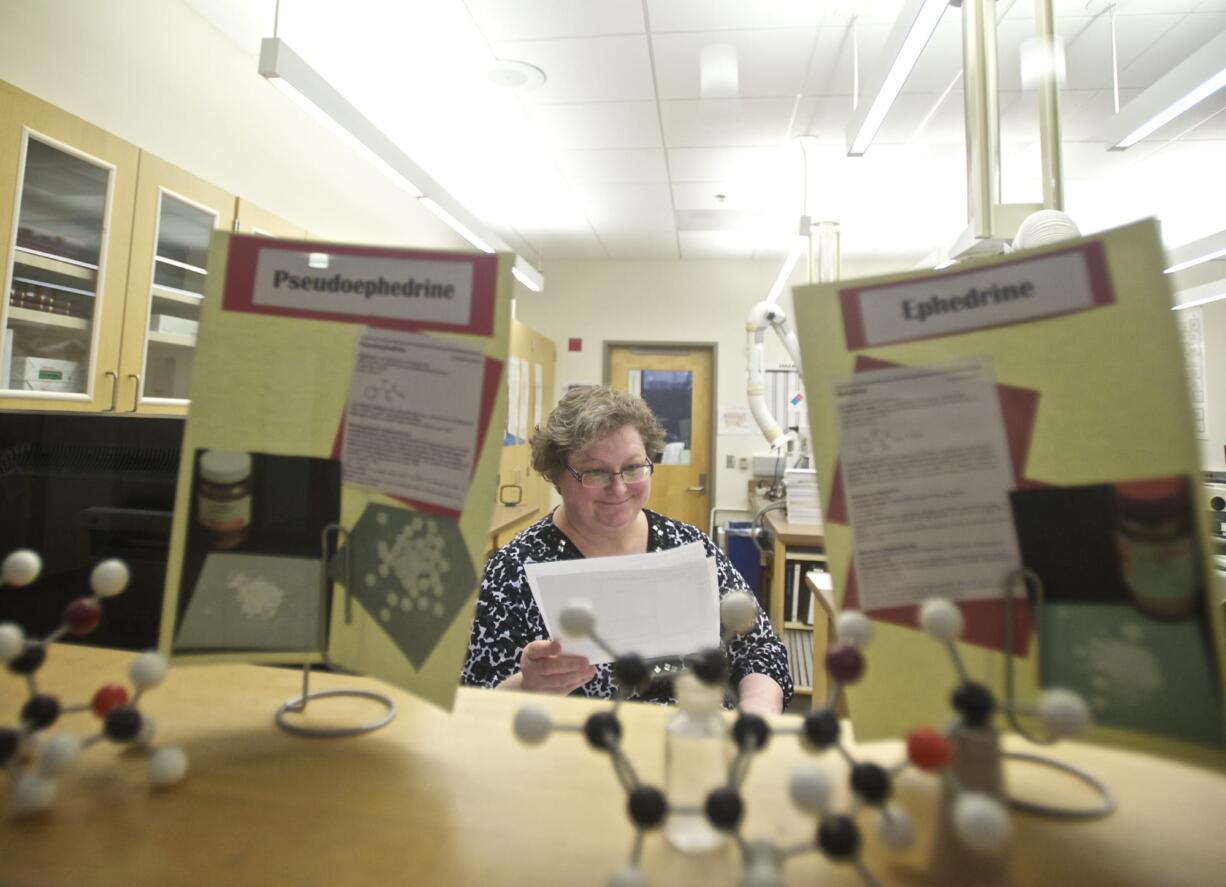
(114, 390)
(135, 391)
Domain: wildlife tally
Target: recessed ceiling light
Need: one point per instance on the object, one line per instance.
(511, 74)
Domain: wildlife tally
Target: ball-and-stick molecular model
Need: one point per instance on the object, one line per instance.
(35, 760)
(980, 820)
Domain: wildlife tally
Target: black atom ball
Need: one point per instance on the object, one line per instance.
(631, 671)
(647, 806)
(822, 728)
(10, 741)
(41, 711)
(122, 724)
(975, 703)
(602, 731)
(838, 837)
(871, 783)
(724, 809)
(710, 666)
(30, 660)
(751, 732)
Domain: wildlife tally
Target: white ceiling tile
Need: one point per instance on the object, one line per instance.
(939, 62)
(613, 166)
(640, 243)
(715, 245)
(769, 62)
(589, 69)
(1178, 39)
(761, 121)
(723, 15)
(566, 244)
(833, 69)
(726, 164)
(610, 206)
(600, 125)
(547, 19)
(1211, 6)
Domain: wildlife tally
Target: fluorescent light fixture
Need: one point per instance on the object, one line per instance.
(1190, 82)
(527, 275)
(785, 273)
(913, 28)
(1196, 296)
(1197, 252)
(285, 69)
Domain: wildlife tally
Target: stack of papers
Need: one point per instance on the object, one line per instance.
(804, 507)
(665, 603)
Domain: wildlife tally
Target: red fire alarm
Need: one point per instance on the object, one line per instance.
(574, 345)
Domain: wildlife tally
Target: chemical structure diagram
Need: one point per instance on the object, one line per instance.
(35, 761)
(386, 391)
(980, 820)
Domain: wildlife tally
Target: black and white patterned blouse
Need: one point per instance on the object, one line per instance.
(508, 619)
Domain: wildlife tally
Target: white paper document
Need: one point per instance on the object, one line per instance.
(665, 603)
(927, 477)
(411, 422)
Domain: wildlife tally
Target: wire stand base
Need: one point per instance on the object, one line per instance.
(298, 704)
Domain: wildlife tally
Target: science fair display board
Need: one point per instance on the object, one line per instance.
(1024, 413)
(339, 459)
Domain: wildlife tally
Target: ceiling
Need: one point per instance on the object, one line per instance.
(616, 155)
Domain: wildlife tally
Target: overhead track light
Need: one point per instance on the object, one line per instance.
(913, 28)
(286, 70)
(1189, 83)
(1197, 252)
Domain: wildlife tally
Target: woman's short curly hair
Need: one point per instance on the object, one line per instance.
(582, 417)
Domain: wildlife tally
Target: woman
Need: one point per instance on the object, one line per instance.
(594, 449)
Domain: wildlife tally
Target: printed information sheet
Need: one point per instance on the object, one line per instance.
(411, 422)
(665, 603)
(926, 472)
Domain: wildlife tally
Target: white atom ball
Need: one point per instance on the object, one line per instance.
(167, 766)
(738, 611)
(59, 754)
(628, 876)
(1063, 712)
(12, 642)
(895, 828)
(21, 567)
(941, 619)
(578, 618)
(810, 788)
(148, 726)
(33, 793)
(532, 725)
(981, 822)
(853, 627)
(109, 578)
(147, 670)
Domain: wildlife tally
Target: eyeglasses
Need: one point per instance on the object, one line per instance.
(598, 477)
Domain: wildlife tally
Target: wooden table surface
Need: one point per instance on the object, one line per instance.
(439, 799)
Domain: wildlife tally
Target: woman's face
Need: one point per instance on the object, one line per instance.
(597, 510)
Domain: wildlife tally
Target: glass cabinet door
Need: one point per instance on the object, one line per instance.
(179, 271)
(53, 283)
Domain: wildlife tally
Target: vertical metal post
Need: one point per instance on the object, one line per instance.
(982, 114)
(1049, 112)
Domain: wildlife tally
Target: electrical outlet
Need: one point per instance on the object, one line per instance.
(744, 463)
(730, 462)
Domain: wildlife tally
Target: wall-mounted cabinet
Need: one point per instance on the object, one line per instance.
(66, 199)
(175, 216)
(105, 261)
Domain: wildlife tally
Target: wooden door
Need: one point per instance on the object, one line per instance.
(676, 381)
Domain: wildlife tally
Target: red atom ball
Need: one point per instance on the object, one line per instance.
(928, 749)
(845, 663)
(83, 615)
(108, 697)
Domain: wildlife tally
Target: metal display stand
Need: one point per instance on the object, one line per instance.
(298, 704)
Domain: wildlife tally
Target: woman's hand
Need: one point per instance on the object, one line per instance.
(543, 669)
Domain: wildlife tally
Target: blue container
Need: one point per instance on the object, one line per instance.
(745, 557)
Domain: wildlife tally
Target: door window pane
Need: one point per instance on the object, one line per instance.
(670, 394)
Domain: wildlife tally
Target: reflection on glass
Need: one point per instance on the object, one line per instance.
(670, 394)
(54, 272)
(178, 287)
